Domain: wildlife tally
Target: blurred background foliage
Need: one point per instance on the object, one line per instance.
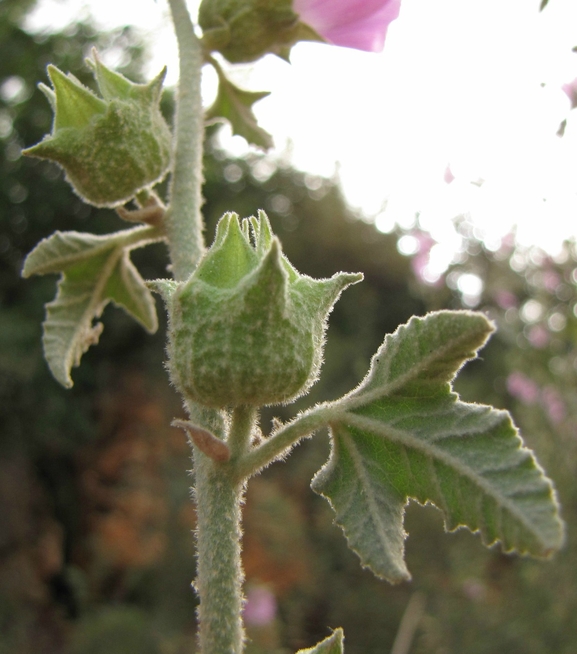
(96, 552)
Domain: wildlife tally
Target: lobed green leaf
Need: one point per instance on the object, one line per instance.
(422, 357)
(235, 106)
(126, 288)
(403, 434)
(95, 270)
(64, 249)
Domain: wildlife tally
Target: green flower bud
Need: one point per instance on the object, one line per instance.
(110, 147)
(245, 30)
(247, 328)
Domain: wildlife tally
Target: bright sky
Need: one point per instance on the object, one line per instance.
(470, 84)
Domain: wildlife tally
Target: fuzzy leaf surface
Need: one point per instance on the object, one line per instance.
(235, 105)
(95, 270)
(331, 645)
(63, 250)
(403, 433)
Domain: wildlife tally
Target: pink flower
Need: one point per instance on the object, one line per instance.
(359, 24)
(448, 176)
(538, 336)
(523, 388)
(260, 608)
(554, 405)
(506, 299)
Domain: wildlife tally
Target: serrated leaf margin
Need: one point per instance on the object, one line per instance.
(348, 411)
(235, 106)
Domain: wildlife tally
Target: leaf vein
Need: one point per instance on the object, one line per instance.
(436, 455)
(369, 493)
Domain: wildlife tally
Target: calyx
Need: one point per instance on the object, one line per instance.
(246, 327)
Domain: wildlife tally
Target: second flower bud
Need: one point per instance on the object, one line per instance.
(247, 328)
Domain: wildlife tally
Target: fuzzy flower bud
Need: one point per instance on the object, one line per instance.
(244, 30)
(110, 147)
(247, 328)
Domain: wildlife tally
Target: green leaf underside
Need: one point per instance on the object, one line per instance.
(126, 288)
(404, 434)
(95, 270)
(64, 249)
(235, 105)
(331, 645)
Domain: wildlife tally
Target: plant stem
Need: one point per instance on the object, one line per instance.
(279, 443)
(241, 430)
(219, 569)
(184, 225)
(217, 493)
(219, 578)
(409, 624)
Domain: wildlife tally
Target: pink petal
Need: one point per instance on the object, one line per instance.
(570, 90)
(360, 24)
(448, 176)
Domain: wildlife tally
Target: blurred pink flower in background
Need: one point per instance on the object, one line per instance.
(529, 392)
(506, 299)
(554, 405)
(538, 336)
(448, 176)
(260, 608)
(359, 24)
(551, 280)
(570, 90)
(523, 388)
(420, 260)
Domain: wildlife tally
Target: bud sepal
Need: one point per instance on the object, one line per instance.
(246, 328)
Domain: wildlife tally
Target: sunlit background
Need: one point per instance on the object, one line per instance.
(463, 114)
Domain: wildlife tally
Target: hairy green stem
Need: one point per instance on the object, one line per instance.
(184, 225)
(241, 430)
(280, 442)
(218, 494)
(219, 576)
